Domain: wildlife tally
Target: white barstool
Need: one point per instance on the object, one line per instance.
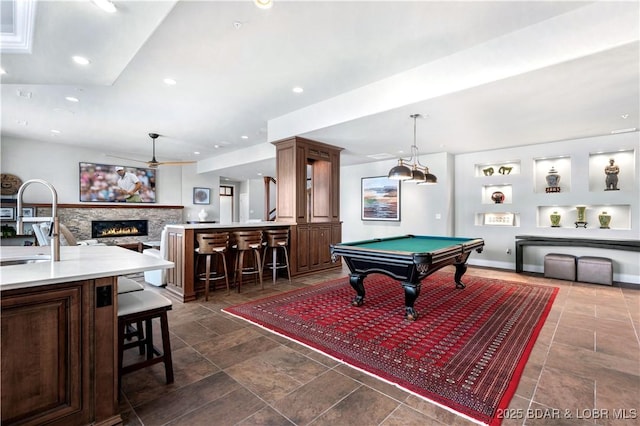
(127, 285)
(138, 307)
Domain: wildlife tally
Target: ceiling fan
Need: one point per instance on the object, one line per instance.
(153, 163)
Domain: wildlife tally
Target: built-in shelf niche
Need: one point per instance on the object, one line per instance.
(498, 169)
(499, 219)
(623, 158)
(489, 190)
(620, 216)
(542, 167)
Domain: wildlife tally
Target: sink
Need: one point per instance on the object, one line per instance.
(25, 260)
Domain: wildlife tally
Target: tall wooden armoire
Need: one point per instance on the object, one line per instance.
(308, 197)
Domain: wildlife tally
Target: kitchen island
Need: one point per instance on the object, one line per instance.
(59, 330)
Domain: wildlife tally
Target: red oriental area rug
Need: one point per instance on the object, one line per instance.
(466, 352)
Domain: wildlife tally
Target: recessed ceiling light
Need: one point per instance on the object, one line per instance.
(259, 174)
(169, 81)
(216, 146)
(55, 131)
(244, 137)
(72, 99)
(624, 116)
(298, 89)
(81, 60)
(196, 152)
(264, 4)
(2, 71)
(23, 122)
(105, 5)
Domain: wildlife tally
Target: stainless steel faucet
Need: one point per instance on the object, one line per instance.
(54, 230)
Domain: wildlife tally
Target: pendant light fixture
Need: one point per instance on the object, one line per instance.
(412, 170)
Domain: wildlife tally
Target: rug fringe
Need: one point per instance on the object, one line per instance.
(457, 413)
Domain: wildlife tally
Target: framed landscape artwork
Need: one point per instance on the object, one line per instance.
(380, 199)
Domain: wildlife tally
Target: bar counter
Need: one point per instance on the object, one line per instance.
(181, 245)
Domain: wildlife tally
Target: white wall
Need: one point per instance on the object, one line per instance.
(59, 165)
(192, 179)
(458, 199)
(579, 177)
(419, 204)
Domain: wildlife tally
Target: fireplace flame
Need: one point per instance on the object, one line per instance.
(115, 231)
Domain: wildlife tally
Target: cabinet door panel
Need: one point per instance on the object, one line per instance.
(319, 252)
(41, 335)
(302, 248)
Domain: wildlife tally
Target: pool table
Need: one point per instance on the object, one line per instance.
(407, 258)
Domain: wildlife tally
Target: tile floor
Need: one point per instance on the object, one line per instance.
(584, 369)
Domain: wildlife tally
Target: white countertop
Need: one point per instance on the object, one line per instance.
(76, 263)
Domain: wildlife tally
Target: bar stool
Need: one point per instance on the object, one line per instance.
(208, 246)
(248, 241)
(127, 285)
(144, 306)
(277, 239)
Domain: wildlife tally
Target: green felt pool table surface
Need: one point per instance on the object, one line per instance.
(409, 243)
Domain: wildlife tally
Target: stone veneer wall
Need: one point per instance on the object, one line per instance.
(78, 219)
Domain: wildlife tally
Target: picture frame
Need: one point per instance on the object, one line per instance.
(500, 219)
(201, 195)
(28, 211)
(380, 199)
(7, 213)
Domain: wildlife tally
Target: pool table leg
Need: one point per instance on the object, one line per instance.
(357, 282)
(461, 268)
(411, 293)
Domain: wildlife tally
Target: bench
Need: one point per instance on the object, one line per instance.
(598, 270)
(560, 266)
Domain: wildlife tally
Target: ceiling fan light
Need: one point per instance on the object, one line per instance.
(400, 172)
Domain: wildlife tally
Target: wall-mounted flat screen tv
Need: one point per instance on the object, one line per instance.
(99, 182)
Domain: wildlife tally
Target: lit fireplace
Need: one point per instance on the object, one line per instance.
(118, 228)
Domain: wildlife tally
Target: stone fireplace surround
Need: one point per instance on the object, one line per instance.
(78, 217)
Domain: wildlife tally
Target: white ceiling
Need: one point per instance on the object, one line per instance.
(485, 74)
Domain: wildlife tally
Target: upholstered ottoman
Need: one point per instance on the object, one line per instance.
(597, 270)
(561, 266)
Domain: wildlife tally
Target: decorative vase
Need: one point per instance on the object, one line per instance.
(555, 220)
(202, 215)
(505, 170)
(497, 197)
(581, 218)
(605, 220)
(553, 180)
(488, 171)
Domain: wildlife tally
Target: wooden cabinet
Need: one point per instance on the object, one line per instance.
(308, 188)
(311, 242)
(308, 181)
(59, 363)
